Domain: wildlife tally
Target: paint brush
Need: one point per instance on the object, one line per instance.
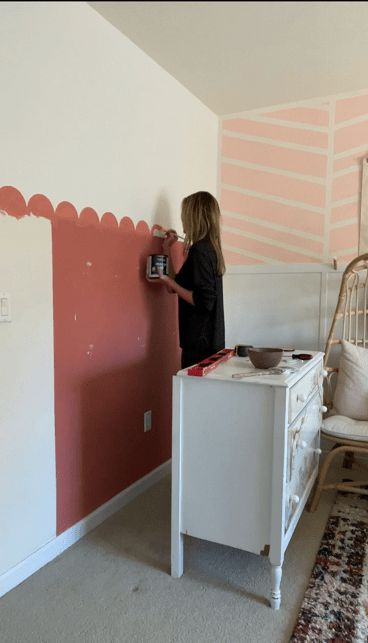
(161, 232)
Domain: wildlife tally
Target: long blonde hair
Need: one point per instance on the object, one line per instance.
(200, 213)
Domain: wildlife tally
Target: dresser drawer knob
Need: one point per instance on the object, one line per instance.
(323, 408)
(318, 451)
(303, 444)
(301, 397)
(295, 499)
(324, 373)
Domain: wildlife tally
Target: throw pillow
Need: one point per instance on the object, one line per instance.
(351, 394)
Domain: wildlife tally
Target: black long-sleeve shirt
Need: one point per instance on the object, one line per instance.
(201, 326)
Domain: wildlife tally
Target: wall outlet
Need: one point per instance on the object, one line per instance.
(147, 421)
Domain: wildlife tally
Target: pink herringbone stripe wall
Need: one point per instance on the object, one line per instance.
(290, 181)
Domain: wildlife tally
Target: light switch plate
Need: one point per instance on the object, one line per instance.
(5, 312)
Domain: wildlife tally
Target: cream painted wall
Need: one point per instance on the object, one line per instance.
(89, 118)
(27, 450)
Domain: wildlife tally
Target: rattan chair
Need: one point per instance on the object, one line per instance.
(348, 436)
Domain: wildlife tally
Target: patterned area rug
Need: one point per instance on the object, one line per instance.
(335, 604)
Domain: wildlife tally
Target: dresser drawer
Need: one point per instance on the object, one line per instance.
(303, 454)
(295, 490)
(301, 392)
(301, 435)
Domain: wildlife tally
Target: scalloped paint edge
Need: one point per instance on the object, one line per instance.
(14, 205)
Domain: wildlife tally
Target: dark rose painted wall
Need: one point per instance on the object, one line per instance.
(115, 350)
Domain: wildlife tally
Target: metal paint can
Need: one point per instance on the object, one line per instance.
(156, 263)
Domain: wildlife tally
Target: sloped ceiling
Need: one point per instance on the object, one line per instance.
(236, 56)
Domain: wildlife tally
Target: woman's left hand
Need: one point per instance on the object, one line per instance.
(168, 282)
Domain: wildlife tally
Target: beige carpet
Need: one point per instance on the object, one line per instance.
(114, 586)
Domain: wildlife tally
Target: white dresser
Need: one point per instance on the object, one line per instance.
(245, 456)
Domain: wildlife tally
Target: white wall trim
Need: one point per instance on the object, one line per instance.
(323, 310)
(329, 179)
(58, 545)
(283, 268)
(363, 227)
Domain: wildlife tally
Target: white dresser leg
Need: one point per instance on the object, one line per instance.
(276, 574)
(177, 555)
(177, 538)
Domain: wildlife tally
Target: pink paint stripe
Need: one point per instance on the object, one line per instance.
(308, 115)
(345, 259)
(281, 186)
(265, 249)
(285, 215)
(351, 136)
(238, 259)
(345, 186)
(348, 108)
(271, 234)
(344, 238)
(343, 212)
(349, 161)
(275, 157)
(277, 132)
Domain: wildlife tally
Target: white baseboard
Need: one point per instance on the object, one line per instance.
(55, 547)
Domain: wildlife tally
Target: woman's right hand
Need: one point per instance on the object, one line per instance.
(170, 239)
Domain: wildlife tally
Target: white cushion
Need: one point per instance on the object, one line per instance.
(351, 394)
(342, 427)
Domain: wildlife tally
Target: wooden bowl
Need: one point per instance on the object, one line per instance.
(265, 357)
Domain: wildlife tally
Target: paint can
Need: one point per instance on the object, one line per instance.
(242, 350)
(156, 263)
